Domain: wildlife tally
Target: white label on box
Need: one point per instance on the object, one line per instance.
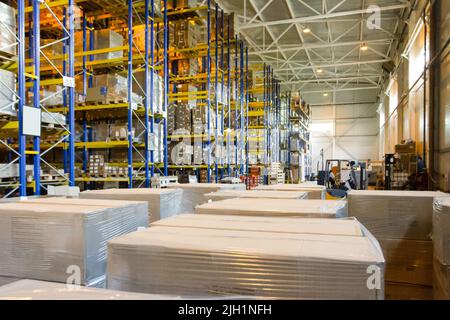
(68, 82)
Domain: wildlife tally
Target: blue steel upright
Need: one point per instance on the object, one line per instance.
(166, 88)
(36, 45)
(21, 94)
(130, 94)
(71, 102)
(147, 94)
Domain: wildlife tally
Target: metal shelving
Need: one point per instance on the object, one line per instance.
(226, 72)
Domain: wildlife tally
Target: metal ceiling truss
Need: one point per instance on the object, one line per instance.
(333, 57)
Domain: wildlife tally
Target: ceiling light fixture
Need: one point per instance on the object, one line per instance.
(319, 70)
(325, 94)
(364, 47)
(306, 30)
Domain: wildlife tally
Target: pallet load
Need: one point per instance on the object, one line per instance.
(162, 203)
(441, 248)
(194, 193)
(314, 191)
(7, 96)
(110, 89)
(41, 290)
(231, 194)
(402, 222)
(217, 262)
(339, 227)
(7, 37)
(50, 239)
(276, 208)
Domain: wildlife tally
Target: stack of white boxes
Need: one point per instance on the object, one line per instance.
(441, 243)
(51, 239)
(402, 222)
(260, 257)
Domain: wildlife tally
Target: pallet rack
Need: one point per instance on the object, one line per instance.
(36, 70)
(298, 130)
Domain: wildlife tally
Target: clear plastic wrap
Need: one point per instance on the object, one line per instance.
(7, 37)
(441, 230)
(314, 191)
(350, 227)
(394, 214)
(193, 261)
(41, 238)
(276, 208)
(162, 203)
(41, 290)
(194, 193)
(7, 92)
(230, 194)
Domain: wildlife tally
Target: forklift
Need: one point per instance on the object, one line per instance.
(341, 176)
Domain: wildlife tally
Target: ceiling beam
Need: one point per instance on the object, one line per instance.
(318, 17)
(320, 46)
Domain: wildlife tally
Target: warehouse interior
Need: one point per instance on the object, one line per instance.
(167, 149)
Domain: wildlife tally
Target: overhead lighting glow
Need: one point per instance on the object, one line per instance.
(325, 94)
(319, 70)
(306, 30)
(364, 47)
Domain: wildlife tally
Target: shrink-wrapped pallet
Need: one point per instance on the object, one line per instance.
(230, 194)
(276, 208)
(441, 230)
(8, 40)
(42, 290)
(7, 280)
(47, 240)
(341, 227)
(194, 193)
(7, 93)
(314, 191)
(394, 214)
(162, 203)
(192, 261)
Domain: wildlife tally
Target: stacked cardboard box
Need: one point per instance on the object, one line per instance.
(276, 208)
(139, 87)
(44, 239)
(272, 258)
(441, 248)
(314, 191)
(105, 39)
(97, 166)
(187, 34)
(402, 222)
(231, 194)
(162, 203)
(194, 193)
(183, 120)
(189, 94)
(108, 88)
